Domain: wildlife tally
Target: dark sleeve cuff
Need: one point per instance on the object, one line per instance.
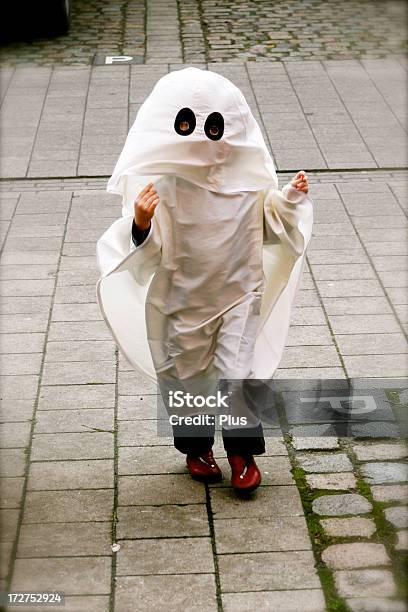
(139, 236)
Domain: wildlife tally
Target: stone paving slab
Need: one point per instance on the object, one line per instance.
(148, 590)
(300, 600)
(262, 571)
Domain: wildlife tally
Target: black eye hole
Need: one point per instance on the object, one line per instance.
(214, 126)
(185, 122)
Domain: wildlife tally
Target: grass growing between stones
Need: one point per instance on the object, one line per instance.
(385, 534)
(317, 535)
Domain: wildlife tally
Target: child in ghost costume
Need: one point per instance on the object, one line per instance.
(199, 274)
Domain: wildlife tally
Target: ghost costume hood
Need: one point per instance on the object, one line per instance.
(215, 279)
(196, 125)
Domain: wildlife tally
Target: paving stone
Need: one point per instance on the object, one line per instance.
(18, 258)
(171, 521)
(370, 324)
(8, 521)
(79, 372)
(131, 383)
(6, 549)
(317, 462)
(375, 604)
(165, 556)
(299, 600)
(14, 435)
(339, 481)
(365, 582)
(397, 516)
(386, 493)
(369, 366)
(90, 603)
(158, 489)
(24, 305)
(78, 330)
(306, 373)
(87, 474)
(76, 312)
(150, 460)
(268, 501)
(200, 596)
(349, 288)
(137, 407)
(316, 440)
(19, 364)
(64, 540)
(341, 504)
(12, 462)
(27, 323)
(310, 316)
(14, 410)
(68, 506)
(371, 344)
(74, 421)
(19, 387)
(300, 356)
(49, 446)
(369, 452)
(263, 571)
(402, 540)
(349, 527)
(145, 433)
(27, 288)
(261, 535)
(351, 306)
(78, 276)
(80, 351)
(22, 343)
(86, 575)
(76, 397)
(76, 295)
(380, 472)
(355, 554)
(11, 492)
(28, 272)
(374, 430)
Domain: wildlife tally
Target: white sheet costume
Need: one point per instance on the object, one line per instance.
(212, 285)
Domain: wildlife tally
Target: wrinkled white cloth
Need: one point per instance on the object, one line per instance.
(213, 283)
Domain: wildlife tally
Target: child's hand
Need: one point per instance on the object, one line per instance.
(145, 205)
(300, 181)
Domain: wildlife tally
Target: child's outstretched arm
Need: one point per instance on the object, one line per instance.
(284, 211)
(144, 207)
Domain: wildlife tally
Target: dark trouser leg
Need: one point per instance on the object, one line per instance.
(193, 439)
(244, 440)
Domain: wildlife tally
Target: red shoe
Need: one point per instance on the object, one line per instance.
(204, 468)
(245, 476)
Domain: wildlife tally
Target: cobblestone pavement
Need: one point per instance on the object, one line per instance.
(313, 114)
(207, 30)
(82, 466)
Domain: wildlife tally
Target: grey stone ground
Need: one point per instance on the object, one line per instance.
(79, 455)
(207, 30)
